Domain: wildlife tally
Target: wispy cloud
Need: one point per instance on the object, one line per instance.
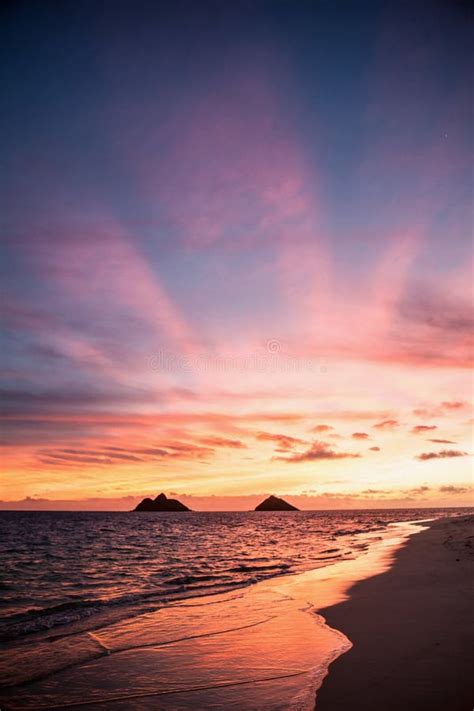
(422, 429)
(318, 451)
(284, 442)
(454, 405)
(418, 489)
(386, 425)
(442, 441)
(448, 407)
(109, 455)
(443, 454)
(451, 489)
(223, 442)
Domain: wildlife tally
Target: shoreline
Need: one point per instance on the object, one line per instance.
(410, 629)
(264, 647)
(66, 617)
(278, 644)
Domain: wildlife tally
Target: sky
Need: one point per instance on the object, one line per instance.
(237, 253)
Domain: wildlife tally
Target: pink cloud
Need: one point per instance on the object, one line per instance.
(116, 456)
(443, 409)
(454, 405)
(318, 451)
(285, 442)
(222, 442)
(447, 407)
(421, 429)
(386, 425)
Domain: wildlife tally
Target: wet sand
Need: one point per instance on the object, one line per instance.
(411, 629)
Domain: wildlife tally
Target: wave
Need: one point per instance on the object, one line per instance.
(244, 568)
(180, 587)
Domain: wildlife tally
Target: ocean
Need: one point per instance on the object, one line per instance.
(177, 611)
(74, 570)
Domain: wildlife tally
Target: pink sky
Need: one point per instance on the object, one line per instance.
(222, 284)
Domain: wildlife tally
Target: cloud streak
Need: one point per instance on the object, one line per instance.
(284, 442)
(423, 429)
(318, 451)
(443, 454)
(386, 425)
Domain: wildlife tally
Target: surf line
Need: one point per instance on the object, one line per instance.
(166, 692)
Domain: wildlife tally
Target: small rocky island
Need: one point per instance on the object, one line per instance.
(161, 503)
(273, 503)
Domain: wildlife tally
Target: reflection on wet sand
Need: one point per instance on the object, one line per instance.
(260, 648)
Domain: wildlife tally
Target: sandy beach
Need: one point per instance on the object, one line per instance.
(411, 629)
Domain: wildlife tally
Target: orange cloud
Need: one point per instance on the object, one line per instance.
(284, 442)
(318, 451)
(222, 442)
(386, 425)
(360, 435)
(420, 429)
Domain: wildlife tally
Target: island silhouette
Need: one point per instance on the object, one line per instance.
(161, 503)
(274, 503)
